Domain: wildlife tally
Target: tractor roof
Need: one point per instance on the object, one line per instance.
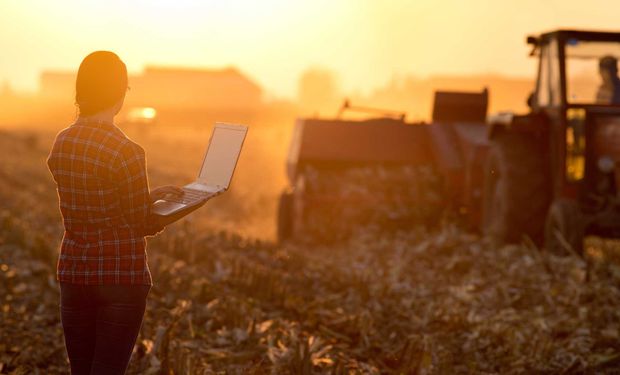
(590, 35)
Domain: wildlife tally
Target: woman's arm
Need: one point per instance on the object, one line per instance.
(133, 188)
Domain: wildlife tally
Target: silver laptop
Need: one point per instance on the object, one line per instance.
(215, 173)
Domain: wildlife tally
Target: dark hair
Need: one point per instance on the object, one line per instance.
(101, 82)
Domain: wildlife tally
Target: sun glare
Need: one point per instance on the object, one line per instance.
(142, 115)
(148, 113)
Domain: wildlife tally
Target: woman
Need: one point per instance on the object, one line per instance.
(104, 200)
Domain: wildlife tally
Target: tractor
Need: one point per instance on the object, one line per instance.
(550, 175)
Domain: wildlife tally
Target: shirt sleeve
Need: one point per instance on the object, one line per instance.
(52, 159)
(134, 192)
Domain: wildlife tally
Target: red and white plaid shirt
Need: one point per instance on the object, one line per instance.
(105, 202)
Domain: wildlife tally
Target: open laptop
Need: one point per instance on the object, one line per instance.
(215, 173)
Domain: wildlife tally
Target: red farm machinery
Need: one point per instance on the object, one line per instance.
(551, 174)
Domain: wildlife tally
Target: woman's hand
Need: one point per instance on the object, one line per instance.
(163, 192)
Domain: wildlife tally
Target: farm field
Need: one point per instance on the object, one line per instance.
(228, 299)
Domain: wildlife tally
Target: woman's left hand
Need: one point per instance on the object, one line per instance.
(163, 192)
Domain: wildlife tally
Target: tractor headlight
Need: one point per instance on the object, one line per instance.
(605, 164)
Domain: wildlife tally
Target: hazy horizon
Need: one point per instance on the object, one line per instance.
(369, 91)
(365, 44)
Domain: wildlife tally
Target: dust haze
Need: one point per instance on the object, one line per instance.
(171, 111)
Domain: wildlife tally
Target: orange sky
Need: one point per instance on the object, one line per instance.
(366, 42)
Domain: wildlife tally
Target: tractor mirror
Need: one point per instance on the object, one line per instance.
(535, 43)
(530, 100)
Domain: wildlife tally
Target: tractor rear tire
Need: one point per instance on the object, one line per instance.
(564, 228)
(516, 189)
(285, 217)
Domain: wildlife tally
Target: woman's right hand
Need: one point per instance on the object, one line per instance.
(163, 192)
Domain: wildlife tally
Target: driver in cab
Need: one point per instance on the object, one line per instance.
(609, 91)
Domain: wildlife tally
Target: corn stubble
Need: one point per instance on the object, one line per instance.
(380, 300)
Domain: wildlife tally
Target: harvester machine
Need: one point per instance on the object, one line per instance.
(450, 150)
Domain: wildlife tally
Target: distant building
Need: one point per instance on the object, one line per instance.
(194, 88)
(179, 88)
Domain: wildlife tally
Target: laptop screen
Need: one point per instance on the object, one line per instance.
(222, 154)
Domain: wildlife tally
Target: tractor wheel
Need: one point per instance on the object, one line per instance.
(285, 217)
(564, 228)
(516, 189)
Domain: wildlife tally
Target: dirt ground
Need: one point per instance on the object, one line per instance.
(227, 299)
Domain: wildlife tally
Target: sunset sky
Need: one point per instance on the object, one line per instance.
(365, 42)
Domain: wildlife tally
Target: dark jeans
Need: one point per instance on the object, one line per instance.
(101, 324)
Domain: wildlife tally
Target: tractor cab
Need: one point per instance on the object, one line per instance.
(576, 69)
(578, 89)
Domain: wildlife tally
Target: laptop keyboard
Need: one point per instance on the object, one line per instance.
(189, 196)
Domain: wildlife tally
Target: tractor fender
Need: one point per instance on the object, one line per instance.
(498, 122)
(533, 123)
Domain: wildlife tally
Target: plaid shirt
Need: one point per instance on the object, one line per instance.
(104, 201)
